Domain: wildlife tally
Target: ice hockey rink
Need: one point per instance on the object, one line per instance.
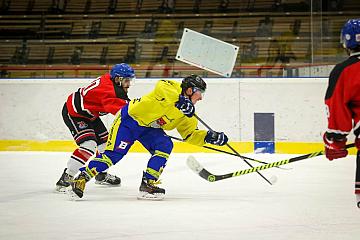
(312, 200)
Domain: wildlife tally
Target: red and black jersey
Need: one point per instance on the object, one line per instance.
(343, 97)
(100, 97)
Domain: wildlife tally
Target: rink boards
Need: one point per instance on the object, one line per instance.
(281, 115)
(242, 147)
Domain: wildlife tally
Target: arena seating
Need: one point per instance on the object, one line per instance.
(103, 32)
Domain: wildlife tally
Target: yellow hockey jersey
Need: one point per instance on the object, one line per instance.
(157, 109)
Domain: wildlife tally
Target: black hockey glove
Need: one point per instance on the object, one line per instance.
(186, 106)
(216, 138)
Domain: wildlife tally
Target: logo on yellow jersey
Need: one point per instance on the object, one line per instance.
(158, 123)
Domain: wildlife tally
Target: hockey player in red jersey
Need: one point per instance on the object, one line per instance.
(81, 114)
(343, 100)
(170, 105)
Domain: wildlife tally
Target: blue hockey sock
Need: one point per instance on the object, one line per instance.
(156, 165)
(98, 164)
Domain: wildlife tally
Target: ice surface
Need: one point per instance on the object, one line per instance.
(314, 200)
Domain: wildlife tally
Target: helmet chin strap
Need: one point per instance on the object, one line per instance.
(117, 81)
(189, 96)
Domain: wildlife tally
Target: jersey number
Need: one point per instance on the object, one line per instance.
(123, 145)
(91, 86)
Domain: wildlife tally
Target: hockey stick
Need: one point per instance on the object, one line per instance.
(202, 172)
(233, 154)
(232, 149)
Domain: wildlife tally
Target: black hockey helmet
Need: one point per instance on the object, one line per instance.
(193, 81)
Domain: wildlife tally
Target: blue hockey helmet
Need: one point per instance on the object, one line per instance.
(123, 71)
(350, 34)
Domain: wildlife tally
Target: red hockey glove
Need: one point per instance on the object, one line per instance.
(335, 148)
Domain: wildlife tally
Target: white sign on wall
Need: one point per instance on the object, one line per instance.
(207, 53)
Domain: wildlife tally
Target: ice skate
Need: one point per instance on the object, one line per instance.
(78, 185)
(149, 191)
(104, 178)
(358, 200)
(63, 183)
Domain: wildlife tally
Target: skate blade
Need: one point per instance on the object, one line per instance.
(107, 184)
(61, 189)
(149, 196)
(72, 195)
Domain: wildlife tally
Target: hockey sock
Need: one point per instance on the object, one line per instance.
(102, 162)
(80, 157)
(156, 165)
(101, 149)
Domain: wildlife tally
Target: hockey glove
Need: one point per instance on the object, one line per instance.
(216, 138)
(335, 148)
(186, 106)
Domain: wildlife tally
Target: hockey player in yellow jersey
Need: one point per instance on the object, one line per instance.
(171, 105)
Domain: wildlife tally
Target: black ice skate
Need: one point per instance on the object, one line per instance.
(104, 178)
(78, 185)
(63, 182)
(149, 191)
(358, 200)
